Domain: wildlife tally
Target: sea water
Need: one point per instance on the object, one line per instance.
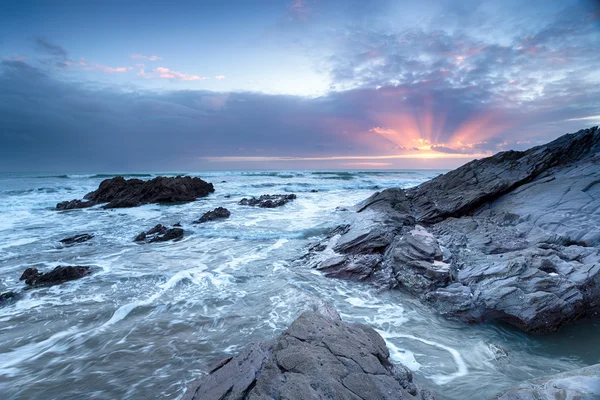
(153, 317)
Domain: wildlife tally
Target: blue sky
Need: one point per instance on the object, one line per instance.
(314, 84)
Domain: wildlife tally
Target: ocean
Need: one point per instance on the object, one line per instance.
(153, 317)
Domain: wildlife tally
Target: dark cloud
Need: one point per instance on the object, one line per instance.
(44, 46)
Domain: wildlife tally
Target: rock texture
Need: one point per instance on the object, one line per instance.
(582, 384)
(119, 192)
(60, 274)
(268, 200)
(217, 213)
(160, 233)
(317, 357)
(512, 237)
(77, 239)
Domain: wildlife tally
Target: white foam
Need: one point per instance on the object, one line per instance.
(439, 379)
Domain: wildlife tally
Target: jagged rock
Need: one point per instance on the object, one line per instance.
(317, 357)
(60, 274)
(160, 233)
(581, 384)
(119, 192)
(77, 239)
(512, 237)
(217, 213)
(268, 200)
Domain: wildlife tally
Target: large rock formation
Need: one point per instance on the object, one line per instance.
(119, 192)
(583, 384)
(512, 237)
(317, 357)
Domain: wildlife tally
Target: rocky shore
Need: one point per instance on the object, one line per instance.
(514, 237)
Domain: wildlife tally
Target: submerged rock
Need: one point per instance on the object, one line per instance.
(8, 297)
(581, 384)
(512, 237)
(60, 274)
(77, 239)
(160, 233)
(268, 200)
(317, 357)
(119, 192)
(217, 213)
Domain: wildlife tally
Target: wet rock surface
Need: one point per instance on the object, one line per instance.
(318, 357)
(580, 384)
(77, 239)
(217, 213)
(160, 233)
(268, 200)
(119, 192)
(512, 237)
(60, 274)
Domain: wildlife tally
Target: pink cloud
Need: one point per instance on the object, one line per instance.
(166, 73)
(143, 57)
(107, 69)
(220, 77)
(15, 58)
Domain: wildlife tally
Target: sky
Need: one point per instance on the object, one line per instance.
(292, 84)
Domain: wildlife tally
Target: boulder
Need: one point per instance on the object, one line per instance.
(119, 192)
(217, 213)
(318, 357)
(268, 200)
(60, 274)
(513, 237)
(581, 384)
(77, 239)
(160, 233)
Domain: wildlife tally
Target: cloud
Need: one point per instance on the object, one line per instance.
(219, 77)
(143, 57)
(45, 46)
(107, 69)
(166, 73)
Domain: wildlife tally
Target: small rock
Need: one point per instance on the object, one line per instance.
(160, 233)
(217, 213)
(60, 274)
(8, 296)
(267, 200)
(73, 204)
(77, 239)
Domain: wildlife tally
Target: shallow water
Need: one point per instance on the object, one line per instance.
(153, 317)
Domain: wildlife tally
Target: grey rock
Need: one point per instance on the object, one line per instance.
(217, 213)
(512, 237)
(579, 384)
(268, 200)
(317, 357)
(119, 192)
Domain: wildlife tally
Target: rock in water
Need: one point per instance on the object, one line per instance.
(60, 274)
(581, 384)
(8, 297)
(70, 205)
(512, 237)
(160, 233)
(217, 213)
(268, 200)
(77, 239)
(317, 357)
(119, 192)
